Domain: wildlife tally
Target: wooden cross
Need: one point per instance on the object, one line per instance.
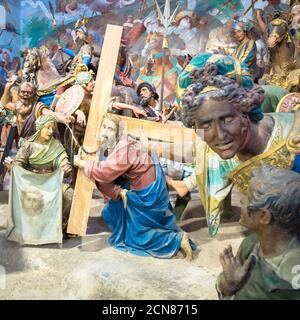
(84, 186)
(163, 139)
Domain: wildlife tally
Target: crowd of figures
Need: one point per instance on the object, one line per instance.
(238, 83)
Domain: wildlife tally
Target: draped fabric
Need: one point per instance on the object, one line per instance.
(47, 99)
(48, 153)
(147, 227)
(246, 53)
(296, 163)
(273, 95)
(213, 182)
(35, 207)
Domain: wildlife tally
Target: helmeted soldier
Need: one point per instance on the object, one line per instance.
(83, 51)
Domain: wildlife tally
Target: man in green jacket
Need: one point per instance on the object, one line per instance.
(267, 265)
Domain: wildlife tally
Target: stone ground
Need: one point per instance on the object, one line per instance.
(87, 268)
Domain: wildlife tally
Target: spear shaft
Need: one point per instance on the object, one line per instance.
(163, 67)
(57, 34)
(250, 7)
(166, 19)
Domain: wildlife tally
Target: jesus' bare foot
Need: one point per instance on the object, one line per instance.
(186, 247)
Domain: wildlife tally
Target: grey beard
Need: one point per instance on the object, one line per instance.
(27, 101)
(144, 102)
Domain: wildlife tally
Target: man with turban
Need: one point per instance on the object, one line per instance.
(246, 49)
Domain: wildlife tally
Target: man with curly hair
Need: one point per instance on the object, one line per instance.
(237, 137)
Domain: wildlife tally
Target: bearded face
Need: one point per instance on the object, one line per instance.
(27, 93)
(108, 134)
(145, 96)
(144, 101)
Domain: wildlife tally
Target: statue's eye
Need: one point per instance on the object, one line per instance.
(228, 119)
(206, 126)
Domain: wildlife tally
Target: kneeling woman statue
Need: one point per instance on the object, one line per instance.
(42, 156)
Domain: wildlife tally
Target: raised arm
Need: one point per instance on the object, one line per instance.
(260, 21)
(60, 117)
(124, 106)
(177, 151)
(6, 97)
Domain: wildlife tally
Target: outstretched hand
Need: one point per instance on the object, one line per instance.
(138, 112)
(234, 272)
(66, 119)
(78, 161)
(11, 81)
(81, 118)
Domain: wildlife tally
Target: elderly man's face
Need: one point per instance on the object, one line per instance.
(253, 221)
(26, 92)
(145, 92)
(32, 203)
(223, 127)
(108, 133)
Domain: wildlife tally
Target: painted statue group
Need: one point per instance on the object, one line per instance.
(242, 102)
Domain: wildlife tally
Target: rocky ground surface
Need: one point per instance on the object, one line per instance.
(88, 268)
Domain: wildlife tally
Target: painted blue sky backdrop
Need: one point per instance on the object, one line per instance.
(33, 18)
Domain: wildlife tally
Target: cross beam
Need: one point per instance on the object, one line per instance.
(84, 186)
